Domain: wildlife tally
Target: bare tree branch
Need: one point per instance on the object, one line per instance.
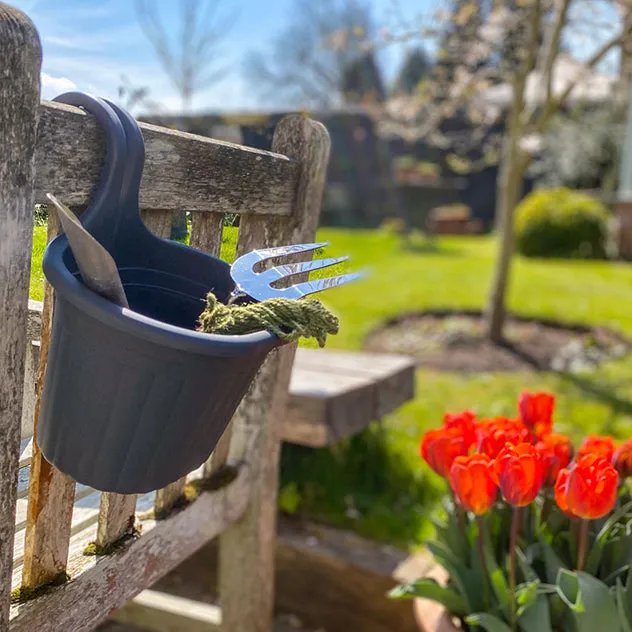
(190, 60)
(310, 61)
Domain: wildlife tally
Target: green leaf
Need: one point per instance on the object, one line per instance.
(536, 617)
(487, 621)
(552, 562)
(533, 608)
(628, 590)
(526, 594)
(455, 537)
(427, 588)
(468, 584)
(625, 617)
(569, 589)
(590, 601)
(495, 574)
(529, 574)
(616, 554)
(594, 557)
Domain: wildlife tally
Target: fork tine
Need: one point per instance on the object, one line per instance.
(280, 251)
(318, 285)
(290, 269)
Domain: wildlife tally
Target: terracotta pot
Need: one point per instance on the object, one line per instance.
(430, 615)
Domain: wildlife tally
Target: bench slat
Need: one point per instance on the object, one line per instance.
(20, 63)
(81, 604)
(182, 171)
(51, 493)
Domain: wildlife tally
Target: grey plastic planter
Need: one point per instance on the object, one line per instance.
(136, 398)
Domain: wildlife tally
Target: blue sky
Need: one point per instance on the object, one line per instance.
(89, 44)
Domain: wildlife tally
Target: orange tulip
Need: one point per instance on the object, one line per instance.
(622, 459)
(588, 489)
(556, 451)
(598, 446)
(519, 472)
(464, 422)
(440, 447)
(493, 434)
(473, 485)
(561, 487)
(536, 411)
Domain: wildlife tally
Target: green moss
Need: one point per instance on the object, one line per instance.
(94, 549)
(20, 594)
(192, 490)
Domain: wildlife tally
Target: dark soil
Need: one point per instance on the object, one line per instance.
(453, 341)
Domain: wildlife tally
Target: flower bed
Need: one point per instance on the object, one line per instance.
(536, 536)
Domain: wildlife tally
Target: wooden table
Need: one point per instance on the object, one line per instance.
(336, 394)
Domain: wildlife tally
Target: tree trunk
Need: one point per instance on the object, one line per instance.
(509, 188)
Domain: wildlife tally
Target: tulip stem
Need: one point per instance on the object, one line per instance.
(547, 505)
(460, 513)
(513, 543)
(480, 523)
(583, 543)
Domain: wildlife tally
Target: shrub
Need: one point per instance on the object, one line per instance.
(561, 223)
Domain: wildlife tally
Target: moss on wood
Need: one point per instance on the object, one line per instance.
(22, 594)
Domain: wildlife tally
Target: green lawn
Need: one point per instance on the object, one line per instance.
(375, 482)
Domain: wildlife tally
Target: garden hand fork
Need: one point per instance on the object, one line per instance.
(258, 285)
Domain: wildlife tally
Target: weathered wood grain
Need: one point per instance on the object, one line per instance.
(20, 62)
(116, 517)
(51, 493)
(247, 597)
(31, 366)
(181, 170)
(335, 394)
(101, 584)
(158, 221)
(85, 517)
(167, 496)
(161, 612)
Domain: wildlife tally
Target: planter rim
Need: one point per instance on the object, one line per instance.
(130, 322)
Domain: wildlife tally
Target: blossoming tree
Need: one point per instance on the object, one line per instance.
(519, 62)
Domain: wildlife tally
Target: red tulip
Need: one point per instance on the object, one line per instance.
(493, 434)
(536, 411)
(556, 451)
(561, 487)
(440, 447)
(588, 489)
(473, 485)
(465, 422)
(519, 472)
(622, 459)
(598, 446)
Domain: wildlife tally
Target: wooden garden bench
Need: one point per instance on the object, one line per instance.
(51, 147)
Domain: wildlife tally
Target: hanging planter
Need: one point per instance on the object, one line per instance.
(136, 398)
